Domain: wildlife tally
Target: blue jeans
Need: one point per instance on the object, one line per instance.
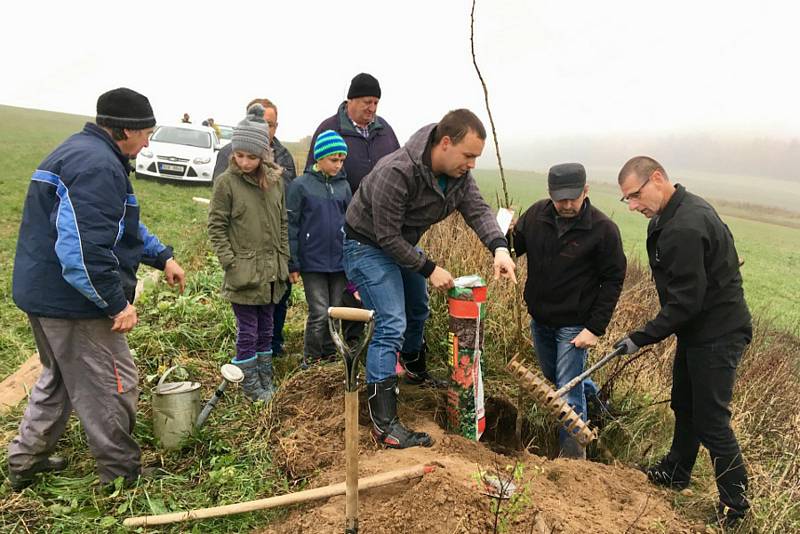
(400, 300)
(561, 361)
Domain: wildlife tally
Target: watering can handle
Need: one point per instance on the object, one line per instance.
(350, 314)
(168, 371)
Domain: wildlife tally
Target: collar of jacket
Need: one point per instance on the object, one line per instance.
(236, 171)
(672, 206)
(346, 125)
(415, 147)
(549, 213)
(92, 129)
(324, 178)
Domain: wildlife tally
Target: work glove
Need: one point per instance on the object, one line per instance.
(627, 346)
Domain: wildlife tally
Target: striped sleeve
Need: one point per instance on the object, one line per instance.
(87, 224)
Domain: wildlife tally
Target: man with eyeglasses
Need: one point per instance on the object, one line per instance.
(696, 271)
(576, 268)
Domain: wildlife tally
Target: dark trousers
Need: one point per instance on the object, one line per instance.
(702, 387)
(279, 318)
(322, 291)
(254, 324)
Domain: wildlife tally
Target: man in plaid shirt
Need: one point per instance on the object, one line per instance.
(407, 192)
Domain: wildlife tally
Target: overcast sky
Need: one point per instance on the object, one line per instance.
(553, 67)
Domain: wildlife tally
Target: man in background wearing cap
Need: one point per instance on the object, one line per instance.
(368, 136)
(576, 267)
(80, 244)
(696, 272)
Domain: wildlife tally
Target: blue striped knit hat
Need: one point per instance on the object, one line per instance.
(329, 143)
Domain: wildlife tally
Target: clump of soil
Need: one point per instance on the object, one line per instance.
(563, 496)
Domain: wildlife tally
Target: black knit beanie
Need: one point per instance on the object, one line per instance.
(124, 108)
(364, 85)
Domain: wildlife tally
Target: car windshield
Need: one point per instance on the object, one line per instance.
(182, 136)
(226, 132)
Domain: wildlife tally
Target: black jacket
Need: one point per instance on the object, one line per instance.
(696, 271)
(575, 279)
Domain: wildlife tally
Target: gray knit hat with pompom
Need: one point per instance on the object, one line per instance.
(251, 135)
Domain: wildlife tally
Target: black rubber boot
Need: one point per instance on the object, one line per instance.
(22, 479)
(386, 427)
(669, 473)
(415, 365)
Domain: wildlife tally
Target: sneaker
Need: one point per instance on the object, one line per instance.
(668, 474)
(22, 479)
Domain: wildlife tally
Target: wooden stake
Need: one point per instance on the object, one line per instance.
(325, 492)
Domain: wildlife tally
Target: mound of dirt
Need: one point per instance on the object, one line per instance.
(562, 496)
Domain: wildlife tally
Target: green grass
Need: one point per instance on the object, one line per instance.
(771, 251)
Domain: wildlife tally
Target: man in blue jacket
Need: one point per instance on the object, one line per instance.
(80, 244)
(368, 136)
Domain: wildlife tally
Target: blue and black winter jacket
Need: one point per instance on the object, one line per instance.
(316, 205)
(80, 241)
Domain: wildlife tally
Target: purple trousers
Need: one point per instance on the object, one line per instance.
(254, 324)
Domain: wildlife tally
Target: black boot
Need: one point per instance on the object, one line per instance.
(416, 369)
(386, 427)
(22, 479)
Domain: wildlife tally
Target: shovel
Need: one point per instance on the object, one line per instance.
(552, 399)
(351, 356)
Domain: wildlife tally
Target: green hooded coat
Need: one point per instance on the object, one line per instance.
(247, 228)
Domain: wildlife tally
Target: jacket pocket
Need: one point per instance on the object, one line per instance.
(243, 273)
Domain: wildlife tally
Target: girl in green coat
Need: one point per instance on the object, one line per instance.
(247, 227)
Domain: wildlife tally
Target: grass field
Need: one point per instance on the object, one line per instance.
(771, 251)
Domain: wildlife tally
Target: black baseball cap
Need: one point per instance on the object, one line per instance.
(566, 181)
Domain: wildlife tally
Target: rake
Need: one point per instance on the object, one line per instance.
(553, 401)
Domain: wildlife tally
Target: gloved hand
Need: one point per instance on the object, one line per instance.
(628, 346)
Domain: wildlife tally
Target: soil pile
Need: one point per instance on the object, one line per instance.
(560, 495)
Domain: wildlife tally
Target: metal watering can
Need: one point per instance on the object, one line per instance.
(176, 406)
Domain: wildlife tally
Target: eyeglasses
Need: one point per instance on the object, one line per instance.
(636, 194)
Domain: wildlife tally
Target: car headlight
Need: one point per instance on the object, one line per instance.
(146, 153)
(201, 161)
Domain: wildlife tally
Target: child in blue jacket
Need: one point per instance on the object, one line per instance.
(316, 203)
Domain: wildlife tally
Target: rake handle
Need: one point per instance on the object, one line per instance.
(578, 379)
(350, 314)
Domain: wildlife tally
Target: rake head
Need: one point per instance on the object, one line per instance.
(559, 408)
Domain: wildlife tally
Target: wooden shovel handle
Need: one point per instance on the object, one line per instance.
(351, 314)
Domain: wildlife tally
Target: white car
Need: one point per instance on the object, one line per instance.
(182, 152)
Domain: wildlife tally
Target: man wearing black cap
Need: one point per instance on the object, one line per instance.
(368, 136)
(80, 244)
(576, 267)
